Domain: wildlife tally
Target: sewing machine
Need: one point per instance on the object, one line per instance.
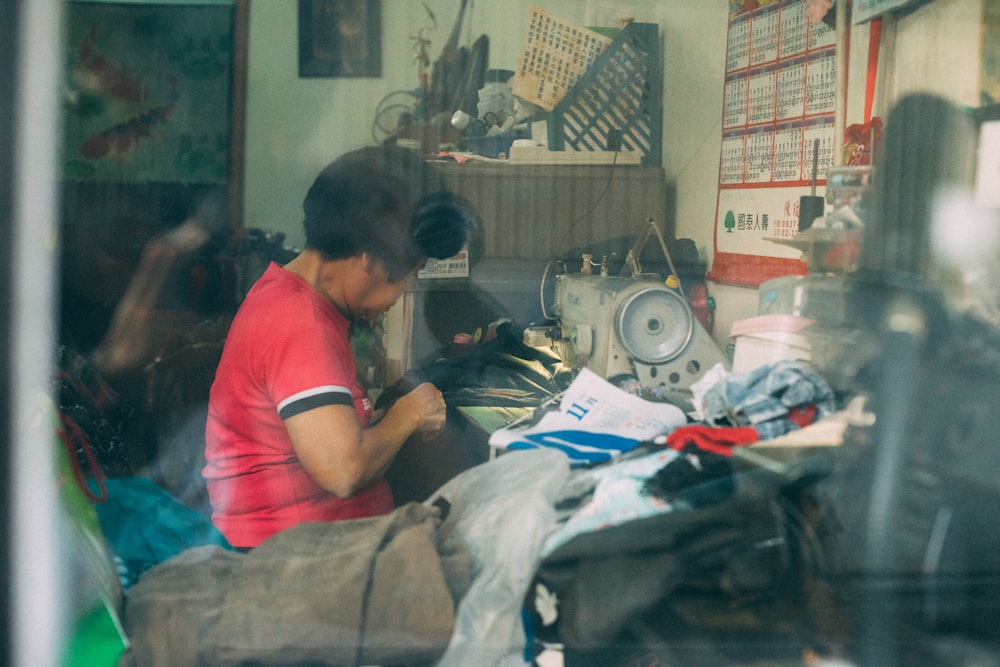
(639, 327)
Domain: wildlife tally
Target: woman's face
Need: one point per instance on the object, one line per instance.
(370, 293)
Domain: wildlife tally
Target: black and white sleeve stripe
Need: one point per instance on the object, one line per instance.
(314, 398)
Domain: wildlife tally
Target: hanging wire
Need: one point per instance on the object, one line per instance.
(388, 112)
(597, 202)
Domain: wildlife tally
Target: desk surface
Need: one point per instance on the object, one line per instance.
(493, 418)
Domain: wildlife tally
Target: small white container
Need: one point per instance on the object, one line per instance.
(767, 339)
(759, 349)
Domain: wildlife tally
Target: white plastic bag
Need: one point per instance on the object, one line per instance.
(501, 512)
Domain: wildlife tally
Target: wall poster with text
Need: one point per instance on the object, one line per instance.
(779, 101)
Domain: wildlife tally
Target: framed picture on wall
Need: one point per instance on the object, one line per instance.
(340, 38)
(989, 73)
(154, 92)
(153, 124)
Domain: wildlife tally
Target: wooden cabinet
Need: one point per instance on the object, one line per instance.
(539, 212)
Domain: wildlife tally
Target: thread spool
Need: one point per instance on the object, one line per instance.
(810, 208)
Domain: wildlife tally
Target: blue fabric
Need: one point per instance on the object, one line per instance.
(582, 447)
(145, 525)
(763, 397)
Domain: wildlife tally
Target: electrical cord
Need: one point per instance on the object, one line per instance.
(600, 198)
(383, 109)
(572, 225)
(541, 287)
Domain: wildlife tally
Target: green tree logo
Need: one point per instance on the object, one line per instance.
(730, 222)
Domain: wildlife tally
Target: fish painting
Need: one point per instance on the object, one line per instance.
(98, 73)
(143, 83)
(119, 140)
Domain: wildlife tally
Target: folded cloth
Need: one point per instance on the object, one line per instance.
(698, 478)
(722, 439)
(715, 439)
(764, 403)
(775, 399)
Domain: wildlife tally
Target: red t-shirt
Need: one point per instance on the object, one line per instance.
(287, 351)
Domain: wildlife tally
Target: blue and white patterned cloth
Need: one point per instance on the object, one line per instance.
(764, 397)
(617, 497)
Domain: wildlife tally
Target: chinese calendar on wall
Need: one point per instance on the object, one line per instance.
(554, 55)
(779, 99)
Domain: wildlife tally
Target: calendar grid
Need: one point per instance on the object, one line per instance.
(781, 73)
(779, 98)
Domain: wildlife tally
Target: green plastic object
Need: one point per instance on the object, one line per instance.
(96, 638)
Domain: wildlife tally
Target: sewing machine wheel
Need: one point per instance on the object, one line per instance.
(654, 325)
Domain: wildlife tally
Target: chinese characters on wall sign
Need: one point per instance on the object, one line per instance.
(554, 55)
(779, 98)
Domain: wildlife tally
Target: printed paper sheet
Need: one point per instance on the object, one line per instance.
(595, 421)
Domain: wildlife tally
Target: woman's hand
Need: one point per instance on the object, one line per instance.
(426, 405)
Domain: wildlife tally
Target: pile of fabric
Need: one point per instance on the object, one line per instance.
(444, 581)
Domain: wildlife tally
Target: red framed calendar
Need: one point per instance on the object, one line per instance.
(777, 134)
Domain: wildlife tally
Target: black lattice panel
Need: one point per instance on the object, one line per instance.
(620, 93)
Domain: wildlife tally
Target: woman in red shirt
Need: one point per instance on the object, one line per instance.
(290, 436)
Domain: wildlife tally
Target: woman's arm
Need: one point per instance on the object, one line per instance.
(343, 458)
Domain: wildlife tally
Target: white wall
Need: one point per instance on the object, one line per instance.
(295, 126)
(938, 49)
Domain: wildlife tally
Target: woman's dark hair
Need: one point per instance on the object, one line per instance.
(389, 203)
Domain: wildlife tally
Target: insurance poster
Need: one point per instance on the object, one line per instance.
(777, 132)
